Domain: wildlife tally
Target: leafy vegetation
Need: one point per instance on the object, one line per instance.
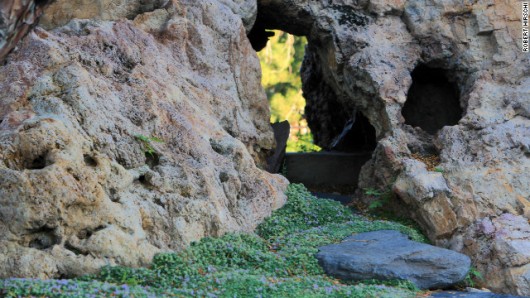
(146, 141)
(382, 198)
(471, 277)
(278, 261)
(302, 143)
(379, 208)
(280, 64)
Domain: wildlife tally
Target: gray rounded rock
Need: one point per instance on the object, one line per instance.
(390, 255)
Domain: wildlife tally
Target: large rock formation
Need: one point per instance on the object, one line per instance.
(135, 132)
(145, 127)
(437, 79)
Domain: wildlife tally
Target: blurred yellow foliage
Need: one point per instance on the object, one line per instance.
(281, 60)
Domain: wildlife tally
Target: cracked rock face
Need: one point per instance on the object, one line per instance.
(470, 108)
(121, 138)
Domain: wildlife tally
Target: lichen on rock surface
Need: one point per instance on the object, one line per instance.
(362, 57)
(129, 135)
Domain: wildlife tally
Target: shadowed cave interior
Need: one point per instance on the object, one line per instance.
(432, 101)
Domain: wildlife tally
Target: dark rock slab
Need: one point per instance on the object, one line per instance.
(281, 134)
(326, 170)
(388, 255)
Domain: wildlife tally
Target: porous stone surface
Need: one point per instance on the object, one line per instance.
(502, 241)
(60, 12)
(126, 137)
(359, 60)
(390, 255)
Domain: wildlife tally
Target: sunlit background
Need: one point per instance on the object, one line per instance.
(280, 63)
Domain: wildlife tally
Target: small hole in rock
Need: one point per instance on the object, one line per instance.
(159, 202)
(37, 163)
(84, 234)
(432, 100)
(73, 249)
(90, 161)
(217, 147)
(142, 179)
(113, 195)
(43, 238)
(87, 233)
(224, 177)
(152, 159)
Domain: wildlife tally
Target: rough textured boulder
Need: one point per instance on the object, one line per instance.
(390, 255)
(17, 17)
(434, 78)
(123, 138)
(502, 241)
(62, 11)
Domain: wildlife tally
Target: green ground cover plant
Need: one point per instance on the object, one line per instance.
(277, 261)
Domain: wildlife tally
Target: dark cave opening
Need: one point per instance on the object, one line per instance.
(358, 135)
(433, 101)
(346, 136)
